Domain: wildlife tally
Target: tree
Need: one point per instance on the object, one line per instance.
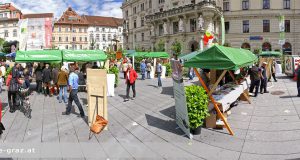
(160, 46)
(1, 43)
(7, 46)
(176, 48)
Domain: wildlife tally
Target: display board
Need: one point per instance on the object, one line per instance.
(182, 118)
(97, 88)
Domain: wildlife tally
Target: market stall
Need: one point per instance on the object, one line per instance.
(226, 59)
(269, 56)
(39, 56)
(83, 55)
(157, 55)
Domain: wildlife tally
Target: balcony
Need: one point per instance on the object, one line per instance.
(182, 10)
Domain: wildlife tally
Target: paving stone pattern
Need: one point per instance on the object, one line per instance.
(145, 128)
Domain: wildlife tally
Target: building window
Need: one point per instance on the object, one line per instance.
(103, 37)
(74, 30)
(287, 26)
(134, 10)
(67, 39)
(266, 46)
(246, 26)
(246, 46)
(53, 38)
(80, 46)
(74, 39)
(15, 34)
(150, 3)
(286, 4)
(120, 30)
(266, 25)
(142, 6)
(85, 30)
(226, 5)
(103, 29)
(161, 30)
(66, 29)
(85, 39)
(192, 25)
(59, 39)
(142, 36)
(134, 24)
(266, 4)
(80, 39)
(6, 33)
(97, 37)
(80, 30)
(193, 2)
(109, 37)
(134, 37)
(227, 27)
(245, 4)
(97, 28)
(142, 21)
(161, 1)
(126, 14)
(175, 27)
(15, 24)
(67, 47)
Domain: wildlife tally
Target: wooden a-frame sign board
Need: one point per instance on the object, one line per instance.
(97, 88)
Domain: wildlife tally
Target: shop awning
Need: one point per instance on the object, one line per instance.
(83, 55)
(39, 56)
(270, 54)
(136, 54)
(156, 55)
(222, 58)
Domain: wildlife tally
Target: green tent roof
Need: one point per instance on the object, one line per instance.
(136, 54)
(270, 54)
(39, 56)
(157, 55)
(2, 54)
(222, 58)
(83, 55)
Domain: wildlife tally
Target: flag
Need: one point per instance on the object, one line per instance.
(223, 30)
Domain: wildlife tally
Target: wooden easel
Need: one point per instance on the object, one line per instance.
(212, 98)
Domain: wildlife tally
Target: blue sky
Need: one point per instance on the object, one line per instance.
(87, 7)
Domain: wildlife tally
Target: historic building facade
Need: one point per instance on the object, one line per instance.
(70, 31)
(148, 23)
(105, 32)
(254, 24)
(9, 18)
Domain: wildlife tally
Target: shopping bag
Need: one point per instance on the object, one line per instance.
(99, 124)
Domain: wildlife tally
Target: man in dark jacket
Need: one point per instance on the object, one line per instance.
(39, 79)
(55, 79)
(264, 79)
(47, 80)
(255, 76)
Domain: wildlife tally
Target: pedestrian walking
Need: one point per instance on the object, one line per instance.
(73, 87)
(39, 79)
(264, 79)
(158, 72)
(125, 66)
(62, 82)
(131, 76)
(273, 70)
(55, 80)
(149, 69)
(47, 80)
(255, 76)
(143, 69)
(12, 83)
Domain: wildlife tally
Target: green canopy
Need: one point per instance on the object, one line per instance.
(222, 58)
(270, 54)
(2, 54)
(83, 55)
(156, 55)
(136, 54)
(39, 56)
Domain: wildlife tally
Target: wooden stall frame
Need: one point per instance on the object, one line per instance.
(214, 102)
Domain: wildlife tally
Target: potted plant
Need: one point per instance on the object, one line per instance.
(168, 69)
(197, 106)
(115, 71)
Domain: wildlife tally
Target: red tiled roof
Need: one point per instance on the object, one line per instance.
(39, 15)
(8, 6)
(104, 21)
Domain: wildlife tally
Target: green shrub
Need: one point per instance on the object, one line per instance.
(115, 70)
(197, 105)
(168, 69)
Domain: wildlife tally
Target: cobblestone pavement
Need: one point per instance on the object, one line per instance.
(145, 128)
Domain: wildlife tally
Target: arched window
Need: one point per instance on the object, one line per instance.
(266, 46)
(246, 46)
(287, 48)
(15, 34)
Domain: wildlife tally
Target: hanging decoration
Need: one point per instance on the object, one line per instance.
(208, 37)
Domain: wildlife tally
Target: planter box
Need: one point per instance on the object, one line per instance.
(111, 84)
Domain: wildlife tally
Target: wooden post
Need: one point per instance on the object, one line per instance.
(217, 82)
(214, 102)
(244, 94)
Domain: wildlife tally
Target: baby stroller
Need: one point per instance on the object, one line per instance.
(23, 101)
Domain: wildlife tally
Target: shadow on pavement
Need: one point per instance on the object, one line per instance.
(167, 91)
(170, 112)
(288, 96)
(84, 100)
(152, 85)
(122, 96)
(169, 126)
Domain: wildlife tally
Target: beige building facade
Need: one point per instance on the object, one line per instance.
(254, 24)
(148, 23)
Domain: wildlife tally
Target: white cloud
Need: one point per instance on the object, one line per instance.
(88, 7)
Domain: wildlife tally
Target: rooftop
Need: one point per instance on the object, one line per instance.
(39, 15)
(104, 21)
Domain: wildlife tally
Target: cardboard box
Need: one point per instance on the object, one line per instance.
(211, 120)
